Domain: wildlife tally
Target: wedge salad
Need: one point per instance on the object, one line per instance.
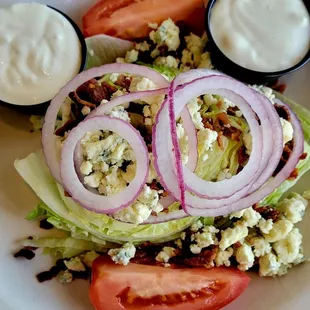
(160, 160)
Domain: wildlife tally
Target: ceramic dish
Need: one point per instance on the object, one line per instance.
(19, 289)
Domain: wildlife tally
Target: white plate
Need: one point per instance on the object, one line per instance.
(19, 289)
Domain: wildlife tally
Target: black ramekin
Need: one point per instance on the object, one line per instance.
(40, 108)
(224, 64)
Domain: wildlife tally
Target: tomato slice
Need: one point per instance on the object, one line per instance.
(128, 19)
(144, 287)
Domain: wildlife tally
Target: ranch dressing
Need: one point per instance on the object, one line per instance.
(39, 53)
(261, 35)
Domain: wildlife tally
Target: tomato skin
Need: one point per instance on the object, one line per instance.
(128, 19)
(116, 287)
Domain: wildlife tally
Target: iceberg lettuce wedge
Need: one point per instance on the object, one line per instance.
(67, 215)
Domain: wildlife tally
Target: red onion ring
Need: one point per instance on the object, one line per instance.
(48, 138)
(271, 153)
(73, 185)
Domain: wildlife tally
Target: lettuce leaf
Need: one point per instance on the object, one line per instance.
(65, 242)
(103, 49)
(65, 247)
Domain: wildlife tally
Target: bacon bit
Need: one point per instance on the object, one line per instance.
(74, 97)
(44, 224)
(293, 175)
(232, 111)
(124, 81)
(273, 83)
(303, 156)
(25, 253)
(208, 123)
(66, 127)
(217, 126)
(257, 118)
(76, 112)
(143, 254)
(220, 141)
(147, 260)
(146, 135)
(53, 272)
(205, 258)
(255, 206)
(232, 132)
(223, 118)
(219, 104)
(164, 194)
(287, 150)
(237, 245)
(283, 112)
(166, 211)
(277, 86)
(156, 185)
(280, 88)
(222, 126)
(163, 49)
(67, 194)
(267, 212)
(92, 92)
(109, 89)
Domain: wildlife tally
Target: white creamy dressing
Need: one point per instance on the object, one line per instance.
(39, 53)
(262, 35)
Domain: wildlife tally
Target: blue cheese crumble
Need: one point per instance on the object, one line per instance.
(138, 212)
(165, 254)
(167, 33)
(75, 264)
(123, 255)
